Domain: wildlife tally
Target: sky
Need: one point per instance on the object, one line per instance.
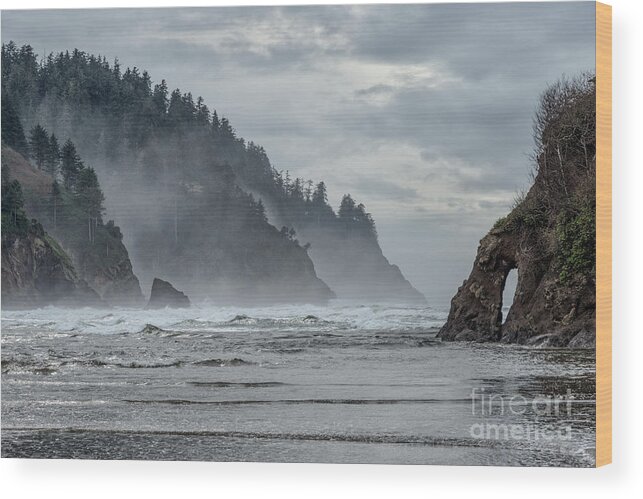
(421, 112)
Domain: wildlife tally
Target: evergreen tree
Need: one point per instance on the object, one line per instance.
(181, 108)
(176, 111)
(355, 218)
(347, 207)
(13, 215)
(70, 165)
(90, 199)
(297, 190)
(89, 193)
(116, 71)
(261, 211)
(278, 180)
(53, 156)
(12, 132)
(12, 198)
(159, 98)
(320, 197)
(202, 112)
(39, 145)
(189, 108)
(308, 191)
(226, 130)
(366, 220)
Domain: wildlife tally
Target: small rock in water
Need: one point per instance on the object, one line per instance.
(239, 318)
(165, 295)
(44, 370)
(151, 329)
(311, 318)
(222, 362)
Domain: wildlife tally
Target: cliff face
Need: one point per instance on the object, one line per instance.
(545, 310)
(37, 272)
(254, 264)
(104, 264)
(356, 269)
(344, 246)
(108, 269)
(549, 238)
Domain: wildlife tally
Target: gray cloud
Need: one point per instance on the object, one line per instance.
(387, 189)
(380, 88)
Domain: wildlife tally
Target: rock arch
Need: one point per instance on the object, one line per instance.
(544, 311)
(476, 309)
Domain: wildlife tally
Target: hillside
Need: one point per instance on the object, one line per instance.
(95, 249)
(549, 238)
(36, 271)
(343, 245)
(199, 205)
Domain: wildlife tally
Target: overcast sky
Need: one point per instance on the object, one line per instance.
(422, 112)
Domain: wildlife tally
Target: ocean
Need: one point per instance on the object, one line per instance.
(344, 383)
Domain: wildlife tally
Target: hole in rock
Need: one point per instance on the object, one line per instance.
(508, 293)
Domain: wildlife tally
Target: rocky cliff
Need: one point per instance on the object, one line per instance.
(549, 237)
(356, 269)
(37, 272)
(252, 265)
(104, 264)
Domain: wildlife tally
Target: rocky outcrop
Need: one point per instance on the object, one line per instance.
(356, 269)
(549, 237)
(545, 311)
(165, 295)
(114, 279)
(37, 272)
(104, 264)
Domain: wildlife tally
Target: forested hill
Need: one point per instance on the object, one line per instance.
(71, 211)
(190, 194)
(36, 271)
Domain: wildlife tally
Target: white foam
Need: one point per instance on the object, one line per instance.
(208, 317)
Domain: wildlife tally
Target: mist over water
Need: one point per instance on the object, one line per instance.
(344, 383)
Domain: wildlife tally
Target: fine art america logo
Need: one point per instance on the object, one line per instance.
(548, 408)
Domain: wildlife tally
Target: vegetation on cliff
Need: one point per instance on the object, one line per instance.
(36, 271)
(14, 220)
(69, 205)
(549, 236)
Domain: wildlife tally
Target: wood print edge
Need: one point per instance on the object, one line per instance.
(603, 234)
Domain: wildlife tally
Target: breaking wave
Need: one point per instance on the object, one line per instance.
(222, 362)
(204, 318)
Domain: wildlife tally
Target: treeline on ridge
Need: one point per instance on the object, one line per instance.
(62, 87)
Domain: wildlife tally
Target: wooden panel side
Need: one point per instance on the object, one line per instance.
(603, 234)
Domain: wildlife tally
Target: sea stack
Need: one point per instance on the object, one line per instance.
(549, 238)
(165, 295)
